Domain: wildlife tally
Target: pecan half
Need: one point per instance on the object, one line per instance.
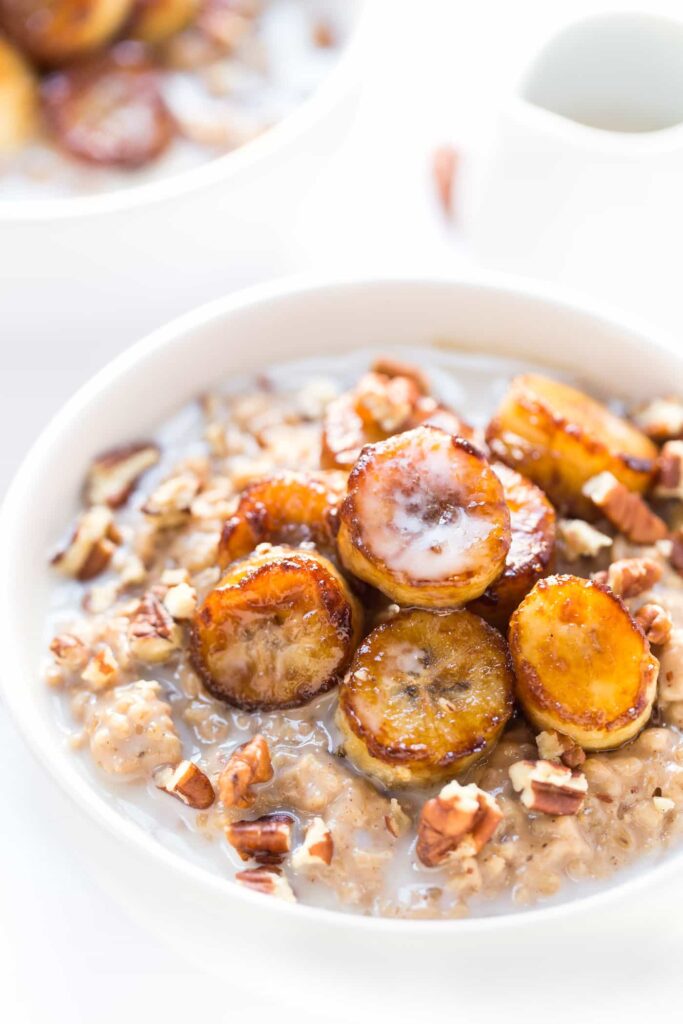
(581, 540)
(630, 577)
(187, 782)
(625, 509)
(92, 545)
(548, 788)
(553, 746)
(655, 622)
(317, 848)
(661, 419)
(248, 765)
(266, 839)
(152, 633)
(70, 652)
(170, 504)
(113, 474)
(670, 471)
(460, 818)
(268, 881)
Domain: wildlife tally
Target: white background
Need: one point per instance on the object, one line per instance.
(440, 69)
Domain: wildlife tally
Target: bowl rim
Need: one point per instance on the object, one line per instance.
(81, 792)
(230, 169)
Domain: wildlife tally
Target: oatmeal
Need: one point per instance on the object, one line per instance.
(353, 637)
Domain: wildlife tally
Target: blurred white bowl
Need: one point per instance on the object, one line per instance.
(305, 955)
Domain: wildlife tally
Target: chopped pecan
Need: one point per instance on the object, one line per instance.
(553, 746)
(655, 622)
(387, 366)
(70, 652)
(459, 819)
(152, 633)
(396, 821)
(187, 782)
(317, 848)
(102, 670)
(92, 545)
(248, 765)
(180, 601)
(670, 471)
(625, 509)
(268, 881)
(387, 402)
(581, 540)
(444, 168)
(661, 419)
(548, 788)
(629, 577)
(170, 504)
(266, 839)
(113, 474)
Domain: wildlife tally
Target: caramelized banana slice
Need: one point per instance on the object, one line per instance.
(560, 438)
(583, 666)
(532, 548)
(18, 98)
(155, 21)
(427, 695)
(286, 508)
(425, 520)
(279, 628)
(57, 31)
(109, 110)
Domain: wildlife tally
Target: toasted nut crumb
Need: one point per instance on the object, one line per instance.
(387, 366)
(670, 471)
(396, 821)
(459, 818)
(625, 509)
(661, 419)
(249, 764)
(92, 545)
(267, 881)
(152, 633)
(663, 804)
(267, 839)
(317, 848)
(169, 505)
(581, 540)
(70, 652)
(131, 570)
(630, 577)
(102, 670)
(445, 161)
(181, 601)
(548, 788)
(553, 746)
(655, 622)
(187, 782)
(114, 474)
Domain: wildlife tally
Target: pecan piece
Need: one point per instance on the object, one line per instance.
(459, 819)
(655, 622)
(670, 471)
(386, 402)
(92, 545)
(553, 746)
(113, 474)
(630, 577)
(268, 881)
(661, 419)
(70, 652)
(396, 821)
(317, 848)
(266, 839)
(581, 540)
(180, 601)
(170, 504)
(625, 509)
(102, 670)
(249, 764)
(187, 782)
(548, 788)
(152, 633)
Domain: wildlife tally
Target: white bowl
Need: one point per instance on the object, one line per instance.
(209, 918)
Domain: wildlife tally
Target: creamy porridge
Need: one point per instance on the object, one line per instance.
(100, 94)
(401, 642)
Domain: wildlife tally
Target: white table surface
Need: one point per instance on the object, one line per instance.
(67, 952)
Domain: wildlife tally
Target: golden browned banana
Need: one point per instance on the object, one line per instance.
(154, 21)
(18, 98)
(583, 666)
(532, 548)
(57, 31)
(425, 520)
(285, 508)
(428, 693)
(109, 110)
(278, 629)
(560, 438)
